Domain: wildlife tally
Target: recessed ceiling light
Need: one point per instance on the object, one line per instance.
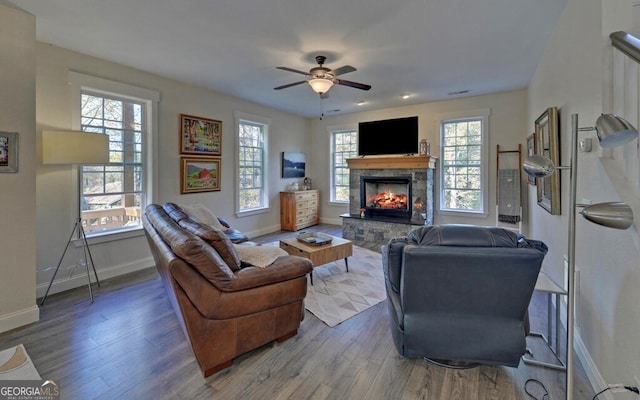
(405, 96)
(361, 103)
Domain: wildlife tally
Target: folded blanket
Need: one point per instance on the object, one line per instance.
(259, 256)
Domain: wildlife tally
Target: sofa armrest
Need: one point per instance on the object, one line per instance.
(283, 268)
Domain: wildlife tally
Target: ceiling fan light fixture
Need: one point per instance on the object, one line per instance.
(320, 85)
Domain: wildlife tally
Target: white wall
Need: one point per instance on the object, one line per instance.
(508, 127)
(17, 190)
(573, 75)
(55, 208)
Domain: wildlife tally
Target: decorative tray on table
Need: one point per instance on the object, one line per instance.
(314, 238)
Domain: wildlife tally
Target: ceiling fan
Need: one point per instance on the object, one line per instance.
(322, 78)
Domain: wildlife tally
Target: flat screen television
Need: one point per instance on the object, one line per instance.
(389, 136)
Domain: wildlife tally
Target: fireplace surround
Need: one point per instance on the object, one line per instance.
(379, 228)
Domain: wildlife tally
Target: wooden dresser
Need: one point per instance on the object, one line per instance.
(299, 209)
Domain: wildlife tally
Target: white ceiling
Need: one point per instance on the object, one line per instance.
(424, 48)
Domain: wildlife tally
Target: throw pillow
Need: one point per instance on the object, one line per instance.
(202, 214)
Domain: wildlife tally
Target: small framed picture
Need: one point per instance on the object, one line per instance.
(200, 136)
(8, 151)
(293, 164)
(531, 150)
(199, 174)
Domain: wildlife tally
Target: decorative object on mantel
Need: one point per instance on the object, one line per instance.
(612, 131)
(424, 148)
(75, 147)
(200, 136)
(8, 152)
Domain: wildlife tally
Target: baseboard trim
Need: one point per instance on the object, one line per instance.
(594, 377)
(79, 278)
(19, 318)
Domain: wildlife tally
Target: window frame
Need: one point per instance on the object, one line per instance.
(149, 99)
(483, 116)
(332, 164)
(266, 125)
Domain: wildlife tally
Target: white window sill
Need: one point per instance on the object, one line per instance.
(248, 213)
(469, 214)
(111, 236)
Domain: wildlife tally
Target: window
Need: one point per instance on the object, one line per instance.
(252, 167)
(112, 195)
(344, 145)
(463, 175)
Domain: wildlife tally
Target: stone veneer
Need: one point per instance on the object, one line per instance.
(381, 229)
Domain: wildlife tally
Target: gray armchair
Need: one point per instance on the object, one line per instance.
(460, 293)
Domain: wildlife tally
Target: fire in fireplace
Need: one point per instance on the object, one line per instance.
(386, 196)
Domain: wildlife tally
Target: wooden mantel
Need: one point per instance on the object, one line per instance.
(398, 162)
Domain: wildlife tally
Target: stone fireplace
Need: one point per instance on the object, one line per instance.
(387, 189)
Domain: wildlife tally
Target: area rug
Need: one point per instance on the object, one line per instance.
(337, 295)
(15, 364)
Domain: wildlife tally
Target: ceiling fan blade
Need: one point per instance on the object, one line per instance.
(293, 70)
(289, 85)
(342, 70)
(356, 85)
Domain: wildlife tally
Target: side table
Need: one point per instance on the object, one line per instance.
(545, 285)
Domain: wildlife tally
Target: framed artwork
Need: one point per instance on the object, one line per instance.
(199, 174)
(548, 145)
(531, 150)
(8, 151)
(201, 136)
(293, 164)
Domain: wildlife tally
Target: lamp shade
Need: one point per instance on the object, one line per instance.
(613, 130)
(616, 215)
(538, 166)
(320, 85)
(74, 147)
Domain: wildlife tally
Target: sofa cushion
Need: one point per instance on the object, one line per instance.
(175, 212)
(215, 238)
(195, 251)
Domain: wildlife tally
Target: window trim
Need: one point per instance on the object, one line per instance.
(331, 130)
(266, 122)
(482, 114)
(149, 98)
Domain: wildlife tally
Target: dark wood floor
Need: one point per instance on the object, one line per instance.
(129, 345)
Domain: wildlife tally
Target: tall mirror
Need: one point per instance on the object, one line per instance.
(547, 137)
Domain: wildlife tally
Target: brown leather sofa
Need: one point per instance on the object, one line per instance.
(225, 308)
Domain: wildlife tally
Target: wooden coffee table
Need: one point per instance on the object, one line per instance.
(319, 255)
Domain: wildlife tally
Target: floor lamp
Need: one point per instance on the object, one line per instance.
(612, 131)
(73, 147)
